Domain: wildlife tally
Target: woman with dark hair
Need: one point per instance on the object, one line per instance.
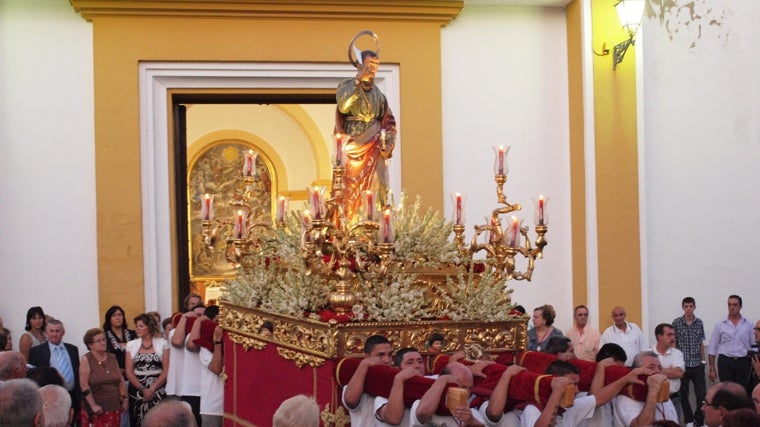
(147, 364)
(118, 334)
(543, 318)
(103, 390)
(35, 331)
(46, 375)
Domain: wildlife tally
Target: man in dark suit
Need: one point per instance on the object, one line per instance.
(62, 356)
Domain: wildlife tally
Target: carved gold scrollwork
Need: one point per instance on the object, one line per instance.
(304, 336)
(300, 359)
(339, 418)
(330, 340)
(248, 342)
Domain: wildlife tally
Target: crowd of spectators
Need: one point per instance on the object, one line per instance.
(172, 368)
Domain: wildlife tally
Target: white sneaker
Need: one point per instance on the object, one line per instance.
(689, 424)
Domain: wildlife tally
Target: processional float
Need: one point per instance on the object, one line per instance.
(313, 284)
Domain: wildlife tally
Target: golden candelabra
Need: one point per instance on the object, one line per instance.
(500, 247)
(346, 251)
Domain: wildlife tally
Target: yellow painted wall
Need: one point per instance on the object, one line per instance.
(616, 170)
(126, 33)
(577, 150)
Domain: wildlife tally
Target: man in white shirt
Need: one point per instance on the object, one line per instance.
(190, 386)
(206, 338)
(672, 361)
(423, 410)
(177, 357)
(633, 413)
(377, 350)
(391, 411)
(625, 334)
(566, 374)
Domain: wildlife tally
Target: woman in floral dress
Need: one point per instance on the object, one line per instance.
(147, 365)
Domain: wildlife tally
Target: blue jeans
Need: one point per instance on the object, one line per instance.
(695, 375)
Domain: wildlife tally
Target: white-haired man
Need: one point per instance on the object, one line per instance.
(20, 404)
(56, 406)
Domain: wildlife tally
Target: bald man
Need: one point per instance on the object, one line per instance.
(170, 413)
(722, 398)
(423, 410)
(625, 334)
(12, 365)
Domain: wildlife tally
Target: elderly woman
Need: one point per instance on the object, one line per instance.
(103, 389)
(543, 318)
(147, 365)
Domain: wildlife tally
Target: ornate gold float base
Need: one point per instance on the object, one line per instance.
(300, 356)
(320, 341)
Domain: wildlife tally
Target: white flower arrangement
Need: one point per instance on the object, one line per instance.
(422, 238)
(398, 299)
(477, 296)
(294, 293)
(278, 279)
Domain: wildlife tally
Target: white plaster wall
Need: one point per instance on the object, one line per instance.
(505, 82)
(47, 170)
(702, 157)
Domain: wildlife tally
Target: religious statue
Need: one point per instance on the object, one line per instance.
(364, 116)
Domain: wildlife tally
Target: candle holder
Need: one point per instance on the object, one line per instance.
(345, 252)
(502, 248)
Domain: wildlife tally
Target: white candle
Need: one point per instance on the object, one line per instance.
(458, 208)
(207, 207)
(249, 163)
(282, 207)
(386, 228)
(316, 202)
(541, 210)
(501, 159)
(500, 164)
(514, 240)
(240, 227)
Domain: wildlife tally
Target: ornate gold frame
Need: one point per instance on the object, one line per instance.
(311, 342)
(194, 223)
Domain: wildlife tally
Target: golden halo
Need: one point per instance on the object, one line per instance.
(354, 53)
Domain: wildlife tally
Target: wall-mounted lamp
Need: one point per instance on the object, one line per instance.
(629, 13)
